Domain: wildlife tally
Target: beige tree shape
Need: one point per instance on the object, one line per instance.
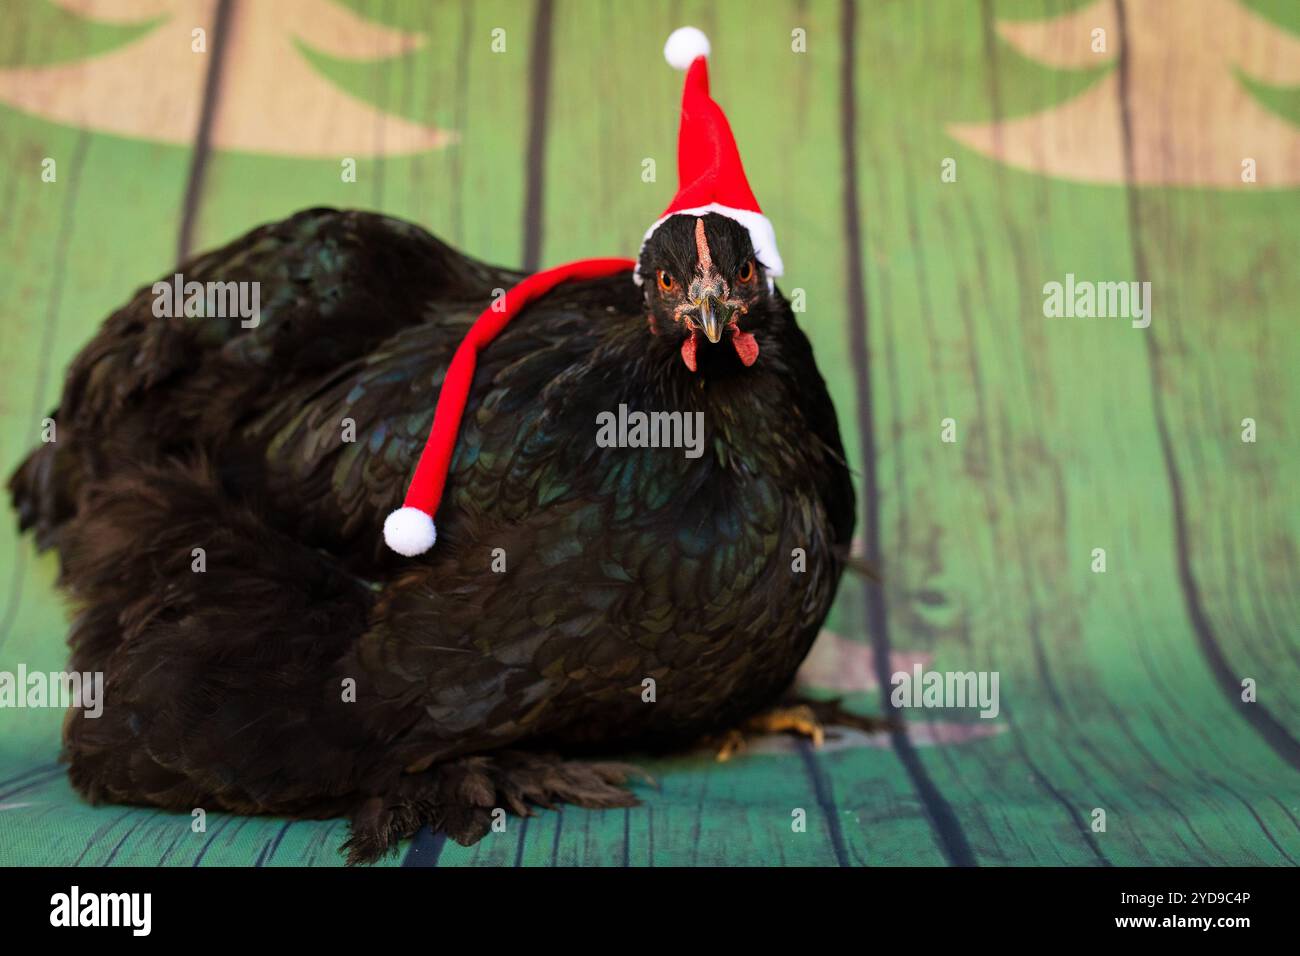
(270, 99)
(1192, 121)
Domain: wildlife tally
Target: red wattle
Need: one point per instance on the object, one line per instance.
(746, 346)
(688, 350)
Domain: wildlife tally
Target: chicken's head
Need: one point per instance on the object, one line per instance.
(701, 280)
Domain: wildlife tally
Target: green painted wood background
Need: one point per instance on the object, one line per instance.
(1119, 691)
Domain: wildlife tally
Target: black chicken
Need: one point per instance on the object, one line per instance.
(296, 666)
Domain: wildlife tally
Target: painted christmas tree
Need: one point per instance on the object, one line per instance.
(1192, 119)
(269, 100)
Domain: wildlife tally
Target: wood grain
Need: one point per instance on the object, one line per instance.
(1119, 691)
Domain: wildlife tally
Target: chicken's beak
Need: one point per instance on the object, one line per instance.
(713, 317)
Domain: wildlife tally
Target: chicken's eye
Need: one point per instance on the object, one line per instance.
(746, 271)
(665, 280)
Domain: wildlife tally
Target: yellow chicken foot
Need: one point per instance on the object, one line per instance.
(798, 719)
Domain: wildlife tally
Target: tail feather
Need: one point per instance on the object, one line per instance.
(44, 490)
(460, 798)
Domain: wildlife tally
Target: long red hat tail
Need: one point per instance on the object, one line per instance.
(410, 529)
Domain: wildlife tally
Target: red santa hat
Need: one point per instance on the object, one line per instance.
(710, 175)
(711, 179)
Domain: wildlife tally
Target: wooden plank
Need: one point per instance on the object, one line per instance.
(72, 261)
(785, 103)
(470, 192)
(65, 282)
(1107, 700)
(78, 261)
(1222, 356)
(48, 824)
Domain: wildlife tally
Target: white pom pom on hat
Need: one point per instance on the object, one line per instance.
(684, 45)
(409, 531)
